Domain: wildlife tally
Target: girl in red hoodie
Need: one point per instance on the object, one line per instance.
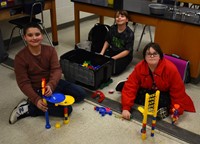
(151, 74)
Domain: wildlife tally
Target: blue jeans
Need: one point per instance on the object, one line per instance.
(65, 88)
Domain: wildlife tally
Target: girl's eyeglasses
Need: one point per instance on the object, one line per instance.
(155, 54)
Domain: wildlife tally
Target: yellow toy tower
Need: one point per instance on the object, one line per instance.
(150, 108)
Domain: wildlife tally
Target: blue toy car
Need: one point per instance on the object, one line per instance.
(103, 111)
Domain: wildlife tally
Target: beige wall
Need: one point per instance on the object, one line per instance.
(65, 13)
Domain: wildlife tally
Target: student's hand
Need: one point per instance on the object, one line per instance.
(41, 105)
(48, 91)
(126, 114)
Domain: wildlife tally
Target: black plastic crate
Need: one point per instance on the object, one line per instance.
(71, 63)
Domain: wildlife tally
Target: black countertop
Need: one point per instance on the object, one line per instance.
(183, 15)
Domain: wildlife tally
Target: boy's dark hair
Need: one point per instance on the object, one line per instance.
(31, 25)
(155, 46)
(122, 12)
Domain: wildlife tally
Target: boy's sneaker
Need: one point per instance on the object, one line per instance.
(19, 112)
(120, 85)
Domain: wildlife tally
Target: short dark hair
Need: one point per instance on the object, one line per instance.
(155, 46)
(31, 25)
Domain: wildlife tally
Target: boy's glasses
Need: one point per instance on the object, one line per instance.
(155, 54)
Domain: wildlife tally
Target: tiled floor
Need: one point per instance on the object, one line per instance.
(86, 126)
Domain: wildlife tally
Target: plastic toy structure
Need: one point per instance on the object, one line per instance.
(175, 114)
(150, 108)
(3, 3)
(103, 111)
(57, 99)
(43, 85)
(98, 94)
(69, 100)
(88, 65)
